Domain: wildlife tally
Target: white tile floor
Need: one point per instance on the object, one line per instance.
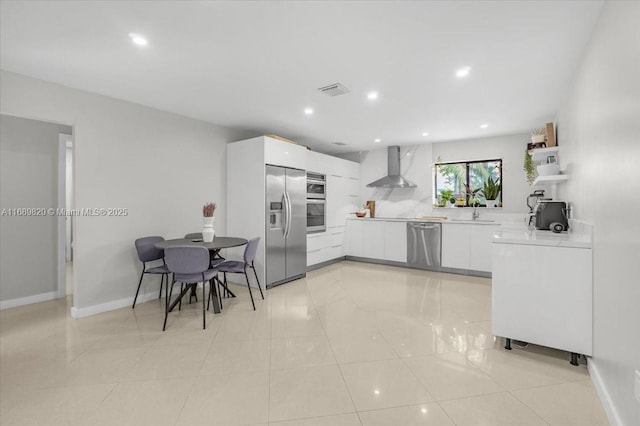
(352, 344)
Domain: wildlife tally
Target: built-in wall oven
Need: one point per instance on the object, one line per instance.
(316, 216)
(316, 186)
(316, 202)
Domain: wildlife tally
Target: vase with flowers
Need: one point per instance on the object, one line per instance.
(208, 211)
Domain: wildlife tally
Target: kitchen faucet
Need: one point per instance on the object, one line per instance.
(476, 214)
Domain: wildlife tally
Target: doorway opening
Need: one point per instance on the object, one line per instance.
(65, 217)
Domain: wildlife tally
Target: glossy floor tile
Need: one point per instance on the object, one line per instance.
(416, 415)
(383, 384)
(351, 344)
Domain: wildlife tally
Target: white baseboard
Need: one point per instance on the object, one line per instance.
(110, 306)
(605, 398)
(12, 303)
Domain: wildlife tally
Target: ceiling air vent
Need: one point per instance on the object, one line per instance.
(335, 89)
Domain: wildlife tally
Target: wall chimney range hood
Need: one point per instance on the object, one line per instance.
(393, 179)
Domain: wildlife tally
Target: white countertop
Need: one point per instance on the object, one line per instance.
(522, 235)
(422, 219)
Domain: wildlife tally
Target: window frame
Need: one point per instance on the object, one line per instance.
(467, 176)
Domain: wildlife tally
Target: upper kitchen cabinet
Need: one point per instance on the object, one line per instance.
(280, 153)
(329, 165)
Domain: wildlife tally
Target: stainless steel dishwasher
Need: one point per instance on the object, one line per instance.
(424, 245)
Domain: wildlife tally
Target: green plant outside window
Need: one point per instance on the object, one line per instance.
(485, 176)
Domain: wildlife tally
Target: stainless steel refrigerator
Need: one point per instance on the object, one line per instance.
(286, 221)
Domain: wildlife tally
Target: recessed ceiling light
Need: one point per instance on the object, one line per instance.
(408, 154)
(372, 95)
(138, 39)
(308, 111)
(376, 140)
(425, 134)
(484, 126)
(463, 72)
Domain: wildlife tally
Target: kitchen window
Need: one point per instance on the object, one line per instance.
(450, 180)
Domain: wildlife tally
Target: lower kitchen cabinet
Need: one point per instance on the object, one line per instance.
(325, 246)
(373, 239)
(467, 246)
(355, 230)
(395, 241)
(480, 237)
(377, 239)
(543, 295)
(455, 245)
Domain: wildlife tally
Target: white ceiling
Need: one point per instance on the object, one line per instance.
(257, 65)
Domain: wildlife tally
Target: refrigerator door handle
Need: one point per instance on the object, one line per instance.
(287, 215)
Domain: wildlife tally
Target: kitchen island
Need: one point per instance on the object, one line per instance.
(543, 289)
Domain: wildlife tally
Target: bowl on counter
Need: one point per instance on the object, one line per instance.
(361, 214)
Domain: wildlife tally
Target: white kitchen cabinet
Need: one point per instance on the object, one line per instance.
(395, 241)
(373, 239)
(316, 256)
(377, 239)
(355, 233)
(337, 200)
(543, 295)
(480, 238)
(455, 245)
(316, 162)
(317, 241)
(279, 153)
(467, 246)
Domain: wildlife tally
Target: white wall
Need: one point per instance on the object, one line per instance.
(599, 135)
(161, 166)
(416, 165)
(28, 179)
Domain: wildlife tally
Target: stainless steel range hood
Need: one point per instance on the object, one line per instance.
(393, 179)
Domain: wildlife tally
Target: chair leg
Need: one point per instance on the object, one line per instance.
(161, 281)
(181, 290)
(219, 293)
(138, 290)
(257, 280)
(204, 291)
(166, 310)
(249, 287)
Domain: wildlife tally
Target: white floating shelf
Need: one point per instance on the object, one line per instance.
(540, 155)
(550, 179)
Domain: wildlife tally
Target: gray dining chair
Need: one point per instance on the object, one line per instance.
(147, 252)
(240, 267)
(189, 265)
(214, 260)
(198, 235)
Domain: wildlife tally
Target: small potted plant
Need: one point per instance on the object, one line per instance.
(528, 167)
(490, 190)
(446, 196)
(208, 211)
(474, 201)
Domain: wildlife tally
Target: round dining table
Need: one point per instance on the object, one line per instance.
(214, 248)
(216, 245)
